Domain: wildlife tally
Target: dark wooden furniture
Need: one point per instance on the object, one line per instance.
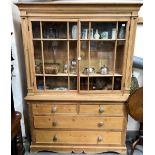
(16, 135)
(135, 110)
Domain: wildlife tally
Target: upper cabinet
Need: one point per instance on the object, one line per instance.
(79, 48)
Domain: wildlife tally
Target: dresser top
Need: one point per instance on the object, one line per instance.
(68, 2)
(79, 7)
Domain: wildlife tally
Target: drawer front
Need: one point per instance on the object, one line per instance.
(78, 137)
(46, 109)
(78, 122)
(102, 109)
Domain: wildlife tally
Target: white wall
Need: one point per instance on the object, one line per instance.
(19, 78)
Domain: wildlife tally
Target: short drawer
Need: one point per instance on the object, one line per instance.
(103, 109)
(46, 109)
(79, 122)
(78, 137)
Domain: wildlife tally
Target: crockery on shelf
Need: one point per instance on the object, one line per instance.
(104, 70)
(104, 35)
(74, 32)
(96, 35)
(88, 70)
(85, 34)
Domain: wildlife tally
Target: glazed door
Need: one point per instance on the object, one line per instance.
(55, 55)
(83, 56)
(102, 54)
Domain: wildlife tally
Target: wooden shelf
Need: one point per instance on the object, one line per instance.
(121, 39)
(98, 39)
(39, 74)
(82, 75)
(72, 75)
(59, 74)
(48, 39)
(100, 75)
(72, 39)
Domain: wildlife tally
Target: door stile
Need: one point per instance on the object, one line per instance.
(32, 57)
(78, 54)
(42, 52)
(89, 60)
(114, 60)
(68, 64)
(125, 55)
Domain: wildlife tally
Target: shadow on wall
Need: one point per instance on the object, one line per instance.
(19, 84)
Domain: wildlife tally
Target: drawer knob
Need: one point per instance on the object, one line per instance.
(101, 109)
(100, 138)
(54, 123)
(55, 138)
(100, 124)
(54, 109)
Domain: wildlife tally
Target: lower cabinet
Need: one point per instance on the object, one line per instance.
(90, 127)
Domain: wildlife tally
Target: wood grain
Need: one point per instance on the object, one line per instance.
(113, 110)
(78, 137)
(78, 122)
(78, 148)
(41, 109)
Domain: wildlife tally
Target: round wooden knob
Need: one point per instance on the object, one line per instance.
(79, 58)
(55, 138)
(54, 123)
(54, 109)
(100, 138)
(101, 109)
(100, 124)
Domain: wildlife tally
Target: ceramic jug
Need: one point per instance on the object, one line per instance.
(96, 35)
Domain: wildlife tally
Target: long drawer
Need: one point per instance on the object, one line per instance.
(103, 109)
(78, 137)
(46, 109)
(78, 122)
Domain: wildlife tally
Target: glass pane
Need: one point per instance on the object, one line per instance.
(84, 63)
(40, 82)
(36, 29)
(100, 83)
(84, 30)
(57, 83)
(83, 83)
(73, 57)
(121, 30)
(38, 57)
(73, 83)
(101, 56)
(55, 56)
(73, 30)
(103, 30)
(119, 56)
(54, 30)
(117, 83)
